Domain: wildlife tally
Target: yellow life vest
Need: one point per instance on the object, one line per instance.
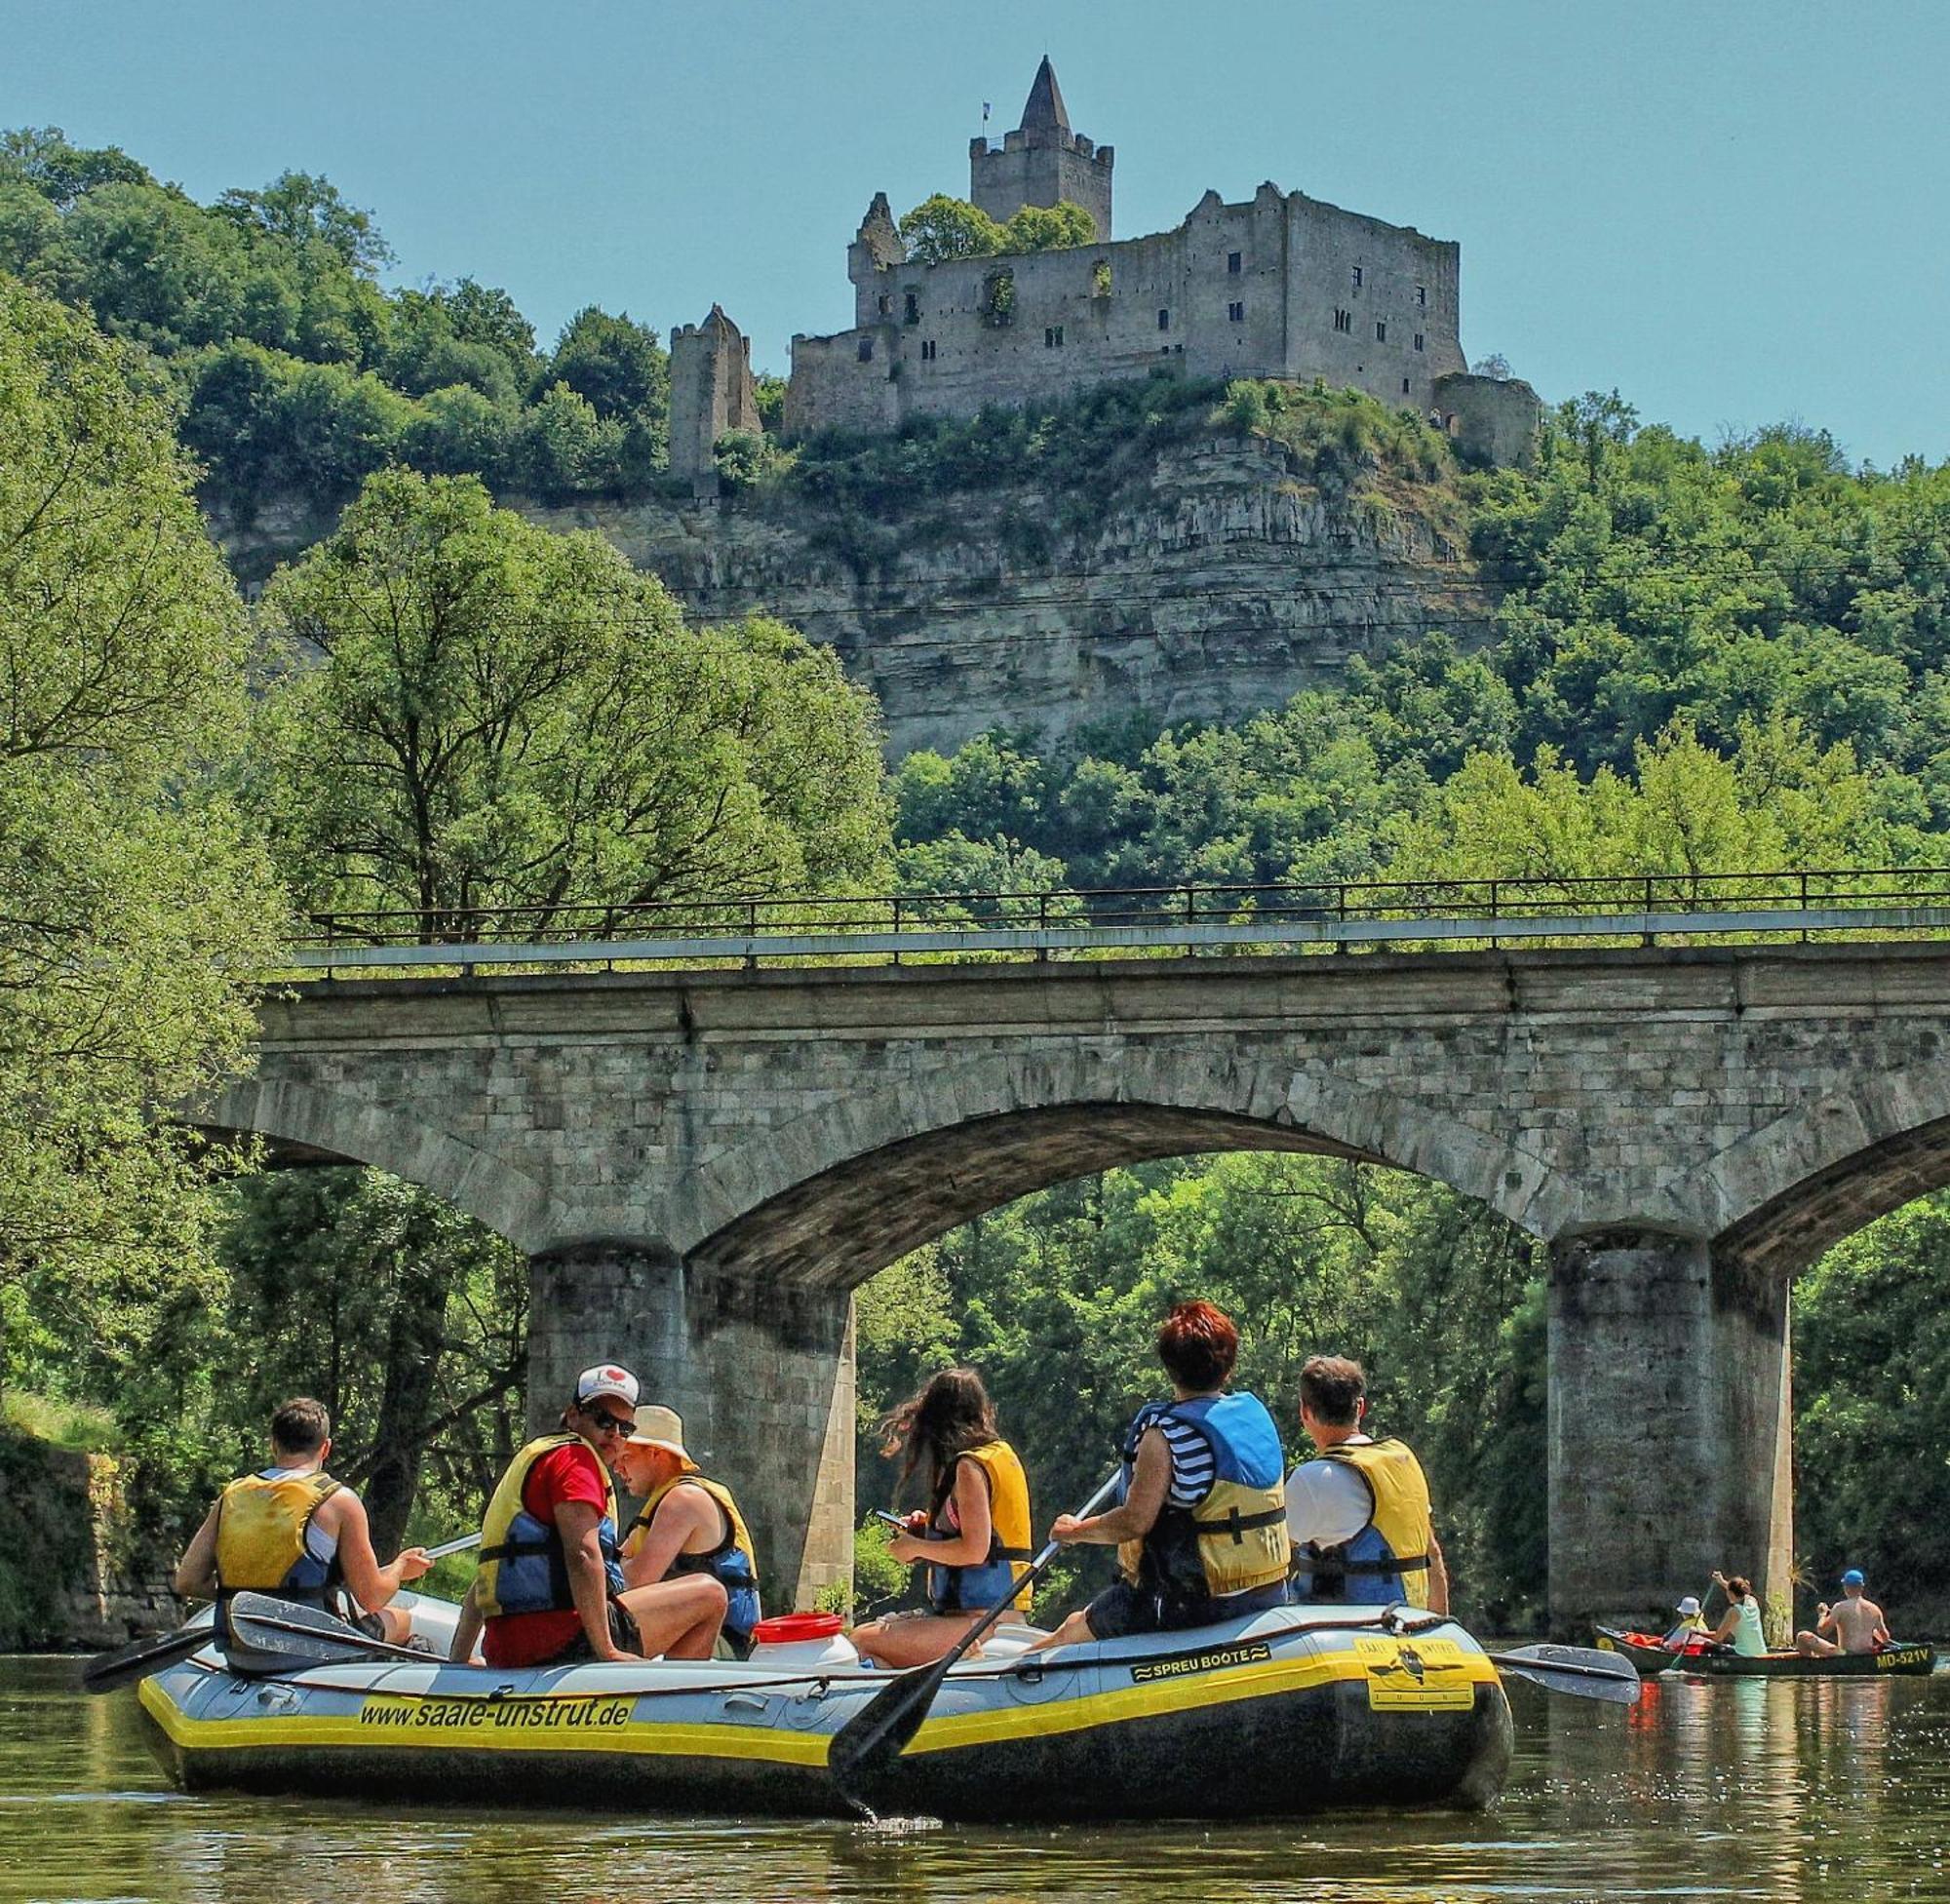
(522, 1568)
(1388, 1561)
(261, 1524)
(733, 1563)
(1235, 1538)
(984, 1582)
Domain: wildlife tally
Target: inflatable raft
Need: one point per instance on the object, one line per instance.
(1645, 1652)
(1280, 1713)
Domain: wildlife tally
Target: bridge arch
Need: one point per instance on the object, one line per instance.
(1780, 1196)
(333, 1127)
(840, 1192)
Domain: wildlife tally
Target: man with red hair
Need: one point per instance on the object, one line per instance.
(1200, 1531)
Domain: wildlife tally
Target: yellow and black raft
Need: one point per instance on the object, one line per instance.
(1275, 1715)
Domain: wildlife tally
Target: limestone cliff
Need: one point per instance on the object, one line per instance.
(1210, 579)
(1219, 583)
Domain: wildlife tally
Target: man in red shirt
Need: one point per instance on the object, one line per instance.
(547, 1585)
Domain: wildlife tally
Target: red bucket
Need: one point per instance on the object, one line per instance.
(789, 1629)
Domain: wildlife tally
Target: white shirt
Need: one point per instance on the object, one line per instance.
(1327, 1501)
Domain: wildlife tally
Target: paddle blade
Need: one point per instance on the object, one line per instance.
(878, 1732)
(142, 1658)
(268, 1635)
(1580, 1672)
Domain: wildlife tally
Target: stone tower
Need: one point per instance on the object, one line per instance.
(711, 393)
(1041, 162)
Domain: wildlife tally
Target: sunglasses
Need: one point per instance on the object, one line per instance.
(610, 1424)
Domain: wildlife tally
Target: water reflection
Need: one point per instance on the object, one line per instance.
(1704, 1790)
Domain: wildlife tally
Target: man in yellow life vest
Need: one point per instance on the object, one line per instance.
(292, 1531)
(1358, 1511)
(688, 1526)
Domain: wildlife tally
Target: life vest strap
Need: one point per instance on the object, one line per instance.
(1331, 1560)
(515, 1549)
(1236, 1524)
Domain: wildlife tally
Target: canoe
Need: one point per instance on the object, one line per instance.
(1643, 1650)
(1276, 1715)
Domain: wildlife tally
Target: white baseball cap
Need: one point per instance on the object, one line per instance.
(606, 1379)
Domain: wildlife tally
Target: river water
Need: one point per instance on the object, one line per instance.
(1818, 1790)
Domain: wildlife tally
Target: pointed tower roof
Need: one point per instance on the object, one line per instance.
(1044, 112)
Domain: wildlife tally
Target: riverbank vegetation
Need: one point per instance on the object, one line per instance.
(1705, 660)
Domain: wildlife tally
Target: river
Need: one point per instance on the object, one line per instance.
(1835, 1789)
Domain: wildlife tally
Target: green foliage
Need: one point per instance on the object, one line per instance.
(941, 228)
(133, 909)
(298, 370)
(501, 717)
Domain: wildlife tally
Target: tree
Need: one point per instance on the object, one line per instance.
(1048, 229)
(133, 912)
(617, 366)
(940, 228)
(303, 209)
(500, 716)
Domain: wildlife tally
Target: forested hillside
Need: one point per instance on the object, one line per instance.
(1703, 659)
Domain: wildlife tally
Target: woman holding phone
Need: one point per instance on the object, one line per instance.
(974, 1533)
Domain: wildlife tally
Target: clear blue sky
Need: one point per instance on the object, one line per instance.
(1734, 211)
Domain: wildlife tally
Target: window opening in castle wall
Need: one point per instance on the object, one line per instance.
(1418, 340)
(866, 350)
(1236, 313)
(1421, 293)
(914, 307)
(1236, 262)
(886, 303)
(1344, 319)
(1357, 277)
(1381, 333)
(1100, 278)
(1164, 320)
(1052, 336)
(927, 350)
(1404, 386)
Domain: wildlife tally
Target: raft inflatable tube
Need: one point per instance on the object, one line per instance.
(1276, 1715)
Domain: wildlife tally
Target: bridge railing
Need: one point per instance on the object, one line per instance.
(1343, 915)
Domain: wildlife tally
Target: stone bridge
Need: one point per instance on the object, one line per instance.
(702, 1164)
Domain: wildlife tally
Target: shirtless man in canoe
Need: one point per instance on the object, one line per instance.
(1856, 1622)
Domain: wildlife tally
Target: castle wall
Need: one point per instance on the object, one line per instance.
(711, 392)
(1493, 421)
(1174, 302)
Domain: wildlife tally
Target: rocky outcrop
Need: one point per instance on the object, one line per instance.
(1217, 581)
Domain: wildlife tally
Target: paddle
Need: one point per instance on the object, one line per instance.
(1580, 1672)
(142, 1658)
(878, 1732)
(269, 1635)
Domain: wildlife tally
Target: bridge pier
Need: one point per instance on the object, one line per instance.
(763, 1376)
(1668, 1425)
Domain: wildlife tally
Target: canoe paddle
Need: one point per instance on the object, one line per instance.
(863, 1748)
(142, 1658)
(1582, 1672)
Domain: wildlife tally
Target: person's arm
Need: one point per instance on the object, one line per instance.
(466, 1629)
(1438, 1577)
(1824, 1619)
(680, 1514)
(1727, 1620)
(970, 1546)
(196, 1572)
(577, 1522)
(1150, 1481)
(368, 1583)
(1881, 1635)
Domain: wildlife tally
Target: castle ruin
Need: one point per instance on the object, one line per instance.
(1278, 285)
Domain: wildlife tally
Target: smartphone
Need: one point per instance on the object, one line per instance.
(892, 1520)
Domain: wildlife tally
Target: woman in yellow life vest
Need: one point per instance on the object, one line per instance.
(974, 1535)
(292, 1531)
(1200, 1531)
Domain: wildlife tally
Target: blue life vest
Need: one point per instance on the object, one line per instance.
(1234, 1540)
(523, 1567)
